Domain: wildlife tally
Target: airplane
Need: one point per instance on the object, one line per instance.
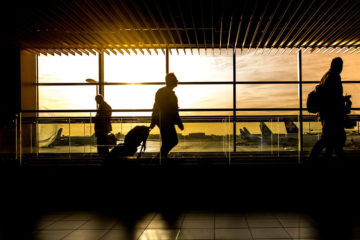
(267, 137)
(50, 140)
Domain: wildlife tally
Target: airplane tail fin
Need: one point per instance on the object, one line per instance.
(265, 130)
(244, 133)
(291, 127)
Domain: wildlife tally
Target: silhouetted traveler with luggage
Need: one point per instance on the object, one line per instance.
(332, 111)
(166, 115)
(102, 122)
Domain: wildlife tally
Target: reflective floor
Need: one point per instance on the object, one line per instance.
(190, 225)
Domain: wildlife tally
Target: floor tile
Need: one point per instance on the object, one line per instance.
(238, 234)
(303, 232)
(260, 215)
(98, 223)
(199, 216)
(269, 233)
(229, 215)
(163, 224)
(262, 223)
(119, 226)
(121, 235)
(230, 223)
(51, 234)
(301, 222)
(198, 224)
(43, 224)
(79, 216)
(159, 234)
(54, 216)
(85, 235)
(65, 225)
(193, 234)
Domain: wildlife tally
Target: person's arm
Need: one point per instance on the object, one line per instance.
(155, 113)
(178, 119)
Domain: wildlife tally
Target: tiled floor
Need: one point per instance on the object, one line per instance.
(191, 226)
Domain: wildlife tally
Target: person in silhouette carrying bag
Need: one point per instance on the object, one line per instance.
(166, 115)
(333, 110)
(102, 122)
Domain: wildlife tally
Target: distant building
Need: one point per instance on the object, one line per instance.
(197, 135)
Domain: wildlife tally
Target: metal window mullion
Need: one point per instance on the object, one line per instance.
(299, 60)
(167, 61)
(101, 74)
(234, 99)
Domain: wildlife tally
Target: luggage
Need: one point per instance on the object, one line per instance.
(133, 139)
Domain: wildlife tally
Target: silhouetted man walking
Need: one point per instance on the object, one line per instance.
(166, 115)
(334, 107)
(102, 122)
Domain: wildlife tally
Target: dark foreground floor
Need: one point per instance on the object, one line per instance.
(180, 202)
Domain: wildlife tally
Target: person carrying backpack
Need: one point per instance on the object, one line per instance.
(333, 107)
(166, 115)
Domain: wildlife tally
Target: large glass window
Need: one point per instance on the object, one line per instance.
(204, 66)
(206, 106)
(135, 68)
(314, 66)
(254, 66)
(67, 69)
(267, 96)
(67, 97)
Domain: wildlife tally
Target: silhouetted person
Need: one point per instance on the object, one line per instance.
(332, 113)
(166, 115)
(102, 122)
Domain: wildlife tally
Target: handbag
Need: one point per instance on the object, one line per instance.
(110, 139)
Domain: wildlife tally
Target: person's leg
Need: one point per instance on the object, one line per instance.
(339, 151)
(101, 144)
(168, 140)
(318, 147)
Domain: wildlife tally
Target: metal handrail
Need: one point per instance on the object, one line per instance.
(187, 83)
(181, 110)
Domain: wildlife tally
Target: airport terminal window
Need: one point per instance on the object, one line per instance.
(254, 66)
(135, 68)
(314, 66)
(62, 78)
(66, 97)
(208, 65)
(267, 96)
(67, 69)
(189, 96)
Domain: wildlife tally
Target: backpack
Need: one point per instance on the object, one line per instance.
(314, 101)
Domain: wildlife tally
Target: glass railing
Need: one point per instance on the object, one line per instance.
(71, 134)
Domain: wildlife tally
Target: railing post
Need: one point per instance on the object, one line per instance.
(299, 55)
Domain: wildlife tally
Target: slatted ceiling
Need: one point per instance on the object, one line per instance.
(136, 26)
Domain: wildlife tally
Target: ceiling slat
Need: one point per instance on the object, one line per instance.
(80, 27)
